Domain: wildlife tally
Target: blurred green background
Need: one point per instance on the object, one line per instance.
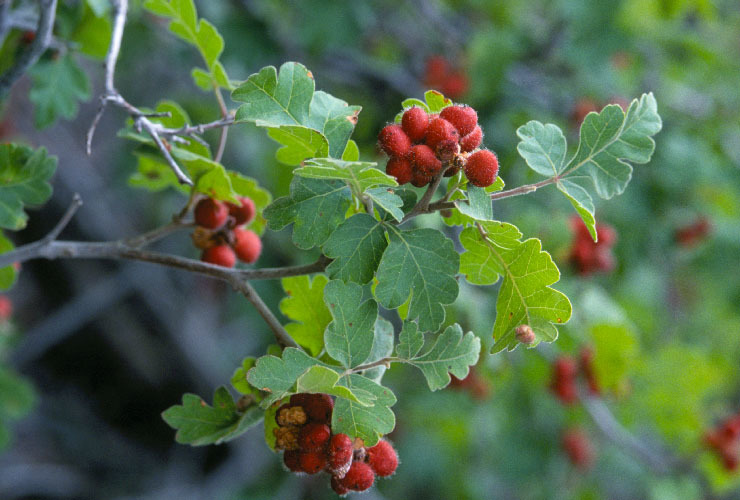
(108, 346)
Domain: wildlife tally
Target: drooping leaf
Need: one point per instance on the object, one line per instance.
(349, 337)
(24, 176)
(382, 348)
(452, 352)
(543, 147)
(304, 304)
(581, 201)
(7, 274)
(58, 87)
(525, 296)
(277, 376)
(323, 380)
(199, 424)
(365, 422)
(356, 246)
(611, 140)
(421, 263)
(387, 200)
(358, 174)
(316, 207)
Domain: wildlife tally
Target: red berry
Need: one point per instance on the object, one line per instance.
(383, 458)
(247, 245)
(424, 161)
(415, 122)
(578, 448)
(418, 179)
(292, 460)
(400, 168)
(446, 150)
(300, 399)
(565, 366)
(472, 140)
(463, 118)
(481, 168)
(340, 453)
(455, 85)
(338, 487)
(436, 71)
(6, 308)
(394, 141)
(312, 461)
(314, 436)
(359, 477)
(607, 236)
(221, 255)
(319, 407)
(244, 212)
(440, 130)
(210, 213)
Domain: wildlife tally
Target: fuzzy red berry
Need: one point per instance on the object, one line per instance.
(472, 140)
(221, 255)
(419, 179)
(319, 407)
(415, 122)
(446, 150)
(247, 245)
(400, 168)
(440, 130)
(312, 461)
(338, 487)
(359, 477)
(463, 118)
(394, 141)
(292, 460)
(340, 454)
(383, 458)
(481, 168)
(424, 160)
(244, 212)
(6, 308)
(210, 213)
(578, 448)
(314, 436)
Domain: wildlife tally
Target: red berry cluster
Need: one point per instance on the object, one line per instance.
(424, 146)
(565, 371)
(438, 75)
(221, 233)
(724, 440)
(310, 447)
(691, 234)
(589, 257)
(478, 386)
(578, 448)
(6, 308)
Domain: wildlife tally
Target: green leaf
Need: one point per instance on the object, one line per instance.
(199, 424)
(17, 395)
(436, 102)
(478, 205)
(356, 246)
(323, 380)
(154, 174)
(581, 201)
(365, 422)
(453, 353)
(93, 33)
(616, 350)
(388, 200)
(287, 98)
(239, 378)
(351, 152)
(298, 143)
(349, 337)
(99, 7)
(24, 176)
(543, 147)
(360, 175)
(7, 274)
(248, 187)
(382, 348)
(525, 296)
(611, 140)
(58, 86)
(304, 304)
(277, 376)
(316, 207)
(202, 79)
(421, 263)
(410, 341)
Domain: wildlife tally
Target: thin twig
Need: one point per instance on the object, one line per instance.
(381, 362)
(64, 221)
(157, 234)
(4, 19)
(47, 14)
(281, 335)
(422, 206)
(144, 123)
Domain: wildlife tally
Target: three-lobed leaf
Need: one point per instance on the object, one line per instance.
(58, 87)
(304, 304)
(24, 176)
(349, 337)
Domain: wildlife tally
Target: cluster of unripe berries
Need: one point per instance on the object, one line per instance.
(439, 75)
(304, 433)
(565, 371)
(588, 257)
(578, 447)
(724, 440)
(221, 233)
(424, 145)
